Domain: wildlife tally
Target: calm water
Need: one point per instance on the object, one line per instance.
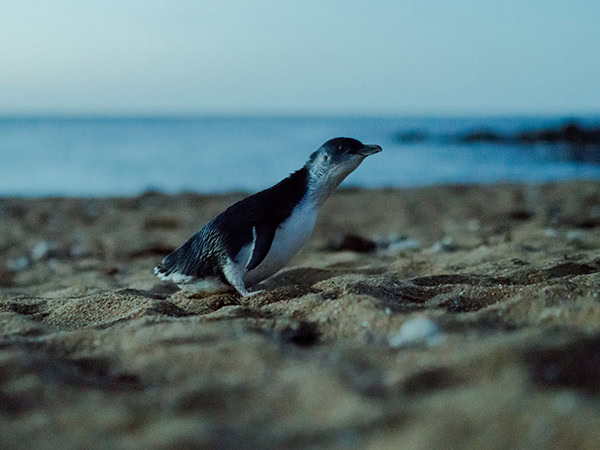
(52, 156)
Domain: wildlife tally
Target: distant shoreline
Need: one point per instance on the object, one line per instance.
(120, 156)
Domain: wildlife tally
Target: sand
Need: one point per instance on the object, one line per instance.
(473, 321)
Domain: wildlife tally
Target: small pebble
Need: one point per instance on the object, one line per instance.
(573, 235)
(416, 331)
(402, 244)
(21, 263)
(435, 248)
(41, 250)
(446, 244)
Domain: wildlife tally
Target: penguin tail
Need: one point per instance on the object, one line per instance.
(161, 271)
(168, 270)
(185, 264)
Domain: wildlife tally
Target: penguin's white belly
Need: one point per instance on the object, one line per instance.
(289, 238)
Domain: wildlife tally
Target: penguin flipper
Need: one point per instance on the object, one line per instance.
(262, 235)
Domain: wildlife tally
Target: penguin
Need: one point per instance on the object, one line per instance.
(257, 236)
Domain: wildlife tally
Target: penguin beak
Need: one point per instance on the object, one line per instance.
(369, 150)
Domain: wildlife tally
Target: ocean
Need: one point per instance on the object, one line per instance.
(52, 156)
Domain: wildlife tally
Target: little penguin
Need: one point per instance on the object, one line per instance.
(257, 236)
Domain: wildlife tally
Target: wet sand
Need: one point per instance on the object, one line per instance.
(421, 318)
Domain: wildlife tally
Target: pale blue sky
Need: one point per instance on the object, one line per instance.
(306, 57)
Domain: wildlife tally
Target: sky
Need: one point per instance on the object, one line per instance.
(327, 57)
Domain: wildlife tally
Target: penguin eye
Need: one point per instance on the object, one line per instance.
(340, 147)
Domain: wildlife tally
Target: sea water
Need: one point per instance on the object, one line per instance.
(48, 156)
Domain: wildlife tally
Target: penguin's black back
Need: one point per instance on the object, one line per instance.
(270, 207)
(203, 254)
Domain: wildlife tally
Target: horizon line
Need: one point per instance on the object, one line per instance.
(151, 115)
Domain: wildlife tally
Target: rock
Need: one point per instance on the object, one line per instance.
(18, 264)
(446, 244)
(401, 244)
(395, 243)
(486, 136)
(42, 250)
(418, 330)
(574, 235)
(582, 143)
(570, 133)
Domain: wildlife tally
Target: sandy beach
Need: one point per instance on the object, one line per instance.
(441, 317)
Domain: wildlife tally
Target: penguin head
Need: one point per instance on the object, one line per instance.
(337, 158)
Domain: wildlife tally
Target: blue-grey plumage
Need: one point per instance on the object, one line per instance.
(257, 236)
